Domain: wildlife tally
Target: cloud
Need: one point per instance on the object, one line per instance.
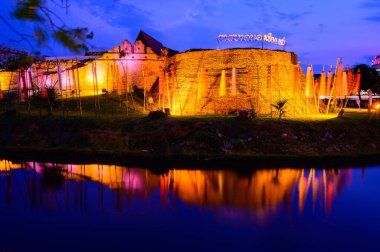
(291, 16)
(310, 29)
(103, 22)
(370, 4)
(321, 28)
(375, 18)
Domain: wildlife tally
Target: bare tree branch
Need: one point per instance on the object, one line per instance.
(23, 37)
(48, 24)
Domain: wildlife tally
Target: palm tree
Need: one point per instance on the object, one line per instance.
(280, 106)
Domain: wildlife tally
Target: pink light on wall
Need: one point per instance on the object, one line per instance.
(41, 82)
(24, 90)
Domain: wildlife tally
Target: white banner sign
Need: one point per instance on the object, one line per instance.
(252, 37)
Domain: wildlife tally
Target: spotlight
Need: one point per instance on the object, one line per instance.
(377, 107)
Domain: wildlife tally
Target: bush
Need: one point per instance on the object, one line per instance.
(10, 97)
(50, 102)
(280, 107)
(247, 114)
(158, 114)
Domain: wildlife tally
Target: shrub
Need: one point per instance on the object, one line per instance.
(247, 114)
(280, 106)
(158, 114)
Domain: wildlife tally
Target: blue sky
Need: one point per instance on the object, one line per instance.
(318, 31)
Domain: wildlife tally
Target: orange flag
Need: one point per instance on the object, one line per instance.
(329, 82)
(339, 80)
(357, 83)
(309, 76)
(323, 84)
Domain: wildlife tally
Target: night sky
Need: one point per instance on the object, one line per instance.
(318, 31)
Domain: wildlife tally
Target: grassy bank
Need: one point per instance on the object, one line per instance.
(217, 140)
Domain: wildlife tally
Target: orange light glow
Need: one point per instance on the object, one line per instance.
(8, 165)
(262, 193)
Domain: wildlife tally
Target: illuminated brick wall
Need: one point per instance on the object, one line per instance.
(192, 78)
(8, 80)
(275, 75)
(116, 73)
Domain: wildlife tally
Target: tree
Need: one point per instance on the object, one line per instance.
(370, 78)
(280, 106)
(16, 62)
(48, 25)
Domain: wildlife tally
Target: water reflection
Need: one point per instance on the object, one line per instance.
(261, 194)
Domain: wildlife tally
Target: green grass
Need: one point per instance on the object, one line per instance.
(102, 105)
(189, 137)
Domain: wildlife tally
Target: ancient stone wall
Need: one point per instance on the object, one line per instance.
(9, 80)
(191, 84)
(121, 74)
(262, 78)
(111, 72)
(139, 66)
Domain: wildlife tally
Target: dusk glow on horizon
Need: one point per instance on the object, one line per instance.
(318, 32)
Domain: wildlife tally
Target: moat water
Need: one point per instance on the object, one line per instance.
(54, 207)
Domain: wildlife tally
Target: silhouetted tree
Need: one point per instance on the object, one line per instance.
(16, 62)
(280, 106)
(48, 25)
(370, 78)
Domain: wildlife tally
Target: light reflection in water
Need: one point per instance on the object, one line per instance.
(260, 194)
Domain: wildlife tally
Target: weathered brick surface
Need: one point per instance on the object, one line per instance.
(273, 79)
(8, 80)
(110, 72)
(275, 75)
